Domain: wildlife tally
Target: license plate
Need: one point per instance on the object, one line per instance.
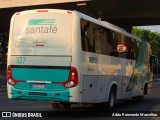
(38, 93)
(38, 85)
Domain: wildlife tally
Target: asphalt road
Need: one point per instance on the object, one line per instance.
(150, 104)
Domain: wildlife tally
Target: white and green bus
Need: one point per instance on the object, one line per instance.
(67, 58)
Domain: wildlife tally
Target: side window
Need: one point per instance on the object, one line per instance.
(98, 31)
(130, 51)
(136, 48)
(83, 36)
(93, 37)
(87, 36)
(121, 46)
(101, 40)
(113, 42)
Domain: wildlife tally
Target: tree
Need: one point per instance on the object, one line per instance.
(153, 38)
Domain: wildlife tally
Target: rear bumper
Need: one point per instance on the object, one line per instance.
(57, 96)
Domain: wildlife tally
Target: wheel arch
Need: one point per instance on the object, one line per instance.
(112, 85)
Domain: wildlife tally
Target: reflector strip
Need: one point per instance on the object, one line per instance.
(42, 10)
(40, 45)
(69, 12)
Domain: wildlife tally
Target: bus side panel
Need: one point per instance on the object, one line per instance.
(142, 67)
(8, 55)
(76, 56)
(90, 88)
(99, 72)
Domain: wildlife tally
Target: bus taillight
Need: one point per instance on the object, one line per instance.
(10, 79)
(72, 80)
(9, 74)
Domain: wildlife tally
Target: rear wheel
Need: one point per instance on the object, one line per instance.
(60, 105)
(145, 91)
(112, 99)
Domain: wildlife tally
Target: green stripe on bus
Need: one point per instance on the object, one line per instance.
(41, 21)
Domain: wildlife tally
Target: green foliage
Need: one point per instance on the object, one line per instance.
(152, 37)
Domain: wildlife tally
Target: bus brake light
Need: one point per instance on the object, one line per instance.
(72, 80)
(9, 74)
(42, 10)
(69, 12)
(10, 79)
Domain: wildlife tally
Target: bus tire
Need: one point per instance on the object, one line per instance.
(112, 99)
(60, 105)
(141, 98)
(145, 89)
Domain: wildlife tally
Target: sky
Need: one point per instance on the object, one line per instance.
(153, 28)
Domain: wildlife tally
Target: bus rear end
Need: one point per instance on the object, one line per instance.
(40, 56)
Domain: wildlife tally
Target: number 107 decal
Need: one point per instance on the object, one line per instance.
(20, 60)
